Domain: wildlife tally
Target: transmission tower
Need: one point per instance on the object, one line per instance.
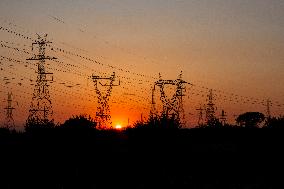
(9, 121)
(210, 108)
(103, 117)
(171, 107)
(153, 111)
(40, 112)
(223, 117)
(200, 115)
(268, 105)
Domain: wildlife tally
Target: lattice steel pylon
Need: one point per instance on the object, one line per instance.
(223, 117)
(200, 115)
(41, 112)
(268, 105)
(171, 107)
(9, 120)
(210, 108)
(153, 111)
(103, 116)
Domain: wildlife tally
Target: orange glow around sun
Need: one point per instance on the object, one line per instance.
(118, 127)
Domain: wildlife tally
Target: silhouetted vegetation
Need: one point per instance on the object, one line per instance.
(34, 125)
(153, 154)
(80, 122)
(250, 119)
(215, 123)
(275, 122)
(158, 123)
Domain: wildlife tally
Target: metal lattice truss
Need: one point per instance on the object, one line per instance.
(200, 115)
(171, 106)
(40, 112)
(210, 108)
(9, 120)
(103, 116)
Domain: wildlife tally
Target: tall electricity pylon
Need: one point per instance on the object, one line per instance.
(153, 111)
(200, 115)
(103, 116)
(268, 105)
(171, 107)
(40, 112)
(223, 117)
(9, 120)
(210, 108)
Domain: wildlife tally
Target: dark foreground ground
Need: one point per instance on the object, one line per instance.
(196, 158)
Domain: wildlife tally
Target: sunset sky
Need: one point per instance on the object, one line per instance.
(235, 47)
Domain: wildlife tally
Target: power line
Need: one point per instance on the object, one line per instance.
(70, 68)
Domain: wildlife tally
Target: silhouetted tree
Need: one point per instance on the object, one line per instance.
(250, 119)
(4, 131)
(215, 122)
(275, 122)
(80, 122)
(162, 122)
(33, 125)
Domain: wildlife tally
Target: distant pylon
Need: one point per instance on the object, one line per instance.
(9, 120)
(268, 104)
(103, 116)
(40, 112)
(180, 89)
(223, 117)
(171, 107)
(200, 116)
(210, 108)
(153, 111)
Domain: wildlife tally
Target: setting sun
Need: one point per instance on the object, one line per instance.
(118, 126)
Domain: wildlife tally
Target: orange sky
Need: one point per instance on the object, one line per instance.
(232, 46)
